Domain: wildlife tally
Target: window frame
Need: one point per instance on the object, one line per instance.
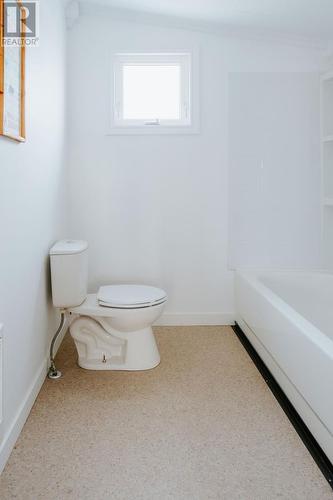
(186, 123)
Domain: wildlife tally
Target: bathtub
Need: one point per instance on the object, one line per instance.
(288, 318)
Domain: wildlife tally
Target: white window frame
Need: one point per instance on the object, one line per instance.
(187, 122)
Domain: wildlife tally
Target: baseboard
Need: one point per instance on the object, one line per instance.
(192, 319)
(22, 414)
(14, 431)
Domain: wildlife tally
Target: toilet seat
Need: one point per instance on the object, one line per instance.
(91, 307)
(130, 296)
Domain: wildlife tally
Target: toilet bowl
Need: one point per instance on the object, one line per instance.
(109, 337)
(112, 329)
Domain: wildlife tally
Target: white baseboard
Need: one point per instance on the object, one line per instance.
(22, 414)
(12, 434)
(192, 319)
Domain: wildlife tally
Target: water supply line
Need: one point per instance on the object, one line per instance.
(53, 373)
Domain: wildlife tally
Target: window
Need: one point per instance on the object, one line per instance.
(152, 91)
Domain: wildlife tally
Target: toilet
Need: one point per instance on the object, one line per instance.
(112, 329)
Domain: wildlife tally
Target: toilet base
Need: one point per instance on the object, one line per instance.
(102, 348)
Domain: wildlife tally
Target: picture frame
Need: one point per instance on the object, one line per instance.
(12, 80)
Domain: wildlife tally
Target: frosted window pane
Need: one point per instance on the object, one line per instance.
(151, 92)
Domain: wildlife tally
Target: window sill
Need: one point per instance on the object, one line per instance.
(158, 130)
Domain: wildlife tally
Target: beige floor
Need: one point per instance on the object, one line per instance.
(203, 425)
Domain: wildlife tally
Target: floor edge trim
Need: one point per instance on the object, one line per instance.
(317, 453)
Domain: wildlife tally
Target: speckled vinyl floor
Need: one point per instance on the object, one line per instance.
(202, 425)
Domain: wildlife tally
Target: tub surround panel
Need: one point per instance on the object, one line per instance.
(274, 154)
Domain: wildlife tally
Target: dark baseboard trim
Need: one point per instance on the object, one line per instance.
(316, 451)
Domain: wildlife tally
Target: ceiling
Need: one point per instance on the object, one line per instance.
(305, 18)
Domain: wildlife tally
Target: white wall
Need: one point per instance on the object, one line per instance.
(32, 216)
(155, 209)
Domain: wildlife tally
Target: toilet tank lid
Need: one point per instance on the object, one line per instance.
(68, 247)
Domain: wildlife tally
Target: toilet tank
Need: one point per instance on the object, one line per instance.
(69, 272)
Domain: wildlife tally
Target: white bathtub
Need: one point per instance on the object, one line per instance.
(288, 318)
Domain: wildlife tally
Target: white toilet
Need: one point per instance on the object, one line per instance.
(111, 329)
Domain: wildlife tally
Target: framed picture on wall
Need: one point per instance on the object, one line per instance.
(12, 71)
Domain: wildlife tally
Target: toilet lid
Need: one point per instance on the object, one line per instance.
(130, 296)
